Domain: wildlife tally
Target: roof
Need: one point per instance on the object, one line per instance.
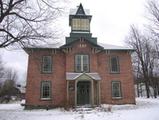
(74, 76)
(67, 45)
(79, 11)
(105, 46)
(73, 11)
(46, 46)
(58, 45)
(114, 47)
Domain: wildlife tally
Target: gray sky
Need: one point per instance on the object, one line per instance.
(110, 24)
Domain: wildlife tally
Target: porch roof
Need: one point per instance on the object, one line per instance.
(74, 76)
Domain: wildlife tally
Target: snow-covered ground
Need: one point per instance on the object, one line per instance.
(146, 109)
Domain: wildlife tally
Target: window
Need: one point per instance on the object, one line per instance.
(80, 24)
(114, 64)
(81, 63)
(116, 89)
(46, 90)
(47, 64)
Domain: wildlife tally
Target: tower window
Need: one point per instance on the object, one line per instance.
(80, 24)
(81, 63)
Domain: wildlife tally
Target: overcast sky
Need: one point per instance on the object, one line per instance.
(110, 24)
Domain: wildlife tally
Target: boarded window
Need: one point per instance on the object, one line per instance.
(82, 63)
(114, 64)
(45, 90)
(47, 64)
(116, 89)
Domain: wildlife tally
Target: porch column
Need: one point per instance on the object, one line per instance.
(92, 90)
(99, 94)
(75, 93)
(67, 91)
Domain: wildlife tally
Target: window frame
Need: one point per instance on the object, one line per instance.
(42, 65)
(50, 90)
(118, 64)
(120, 90)
(75, 68)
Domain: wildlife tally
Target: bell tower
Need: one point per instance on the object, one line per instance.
(79, 21)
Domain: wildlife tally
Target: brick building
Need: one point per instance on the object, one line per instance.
(80, 72)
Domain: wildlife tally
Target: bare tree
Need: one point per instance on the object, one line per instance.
(145, 57)
(146, 44)
(153, 10)
(8, 78)
(153, 16)
(1, 72)
(9, 85)
(26, 22)
(11, 74)
(1, 69)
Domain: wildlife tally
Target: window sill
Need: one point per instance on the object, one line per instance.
(114, 72)
(45, 99)
(116, 98)
(82, 71)
(46, 72)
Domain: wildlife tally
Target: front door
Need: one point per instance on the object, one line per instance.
(83, 93)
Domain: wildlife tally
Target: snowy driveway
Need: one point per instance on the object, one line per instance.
(146, 109)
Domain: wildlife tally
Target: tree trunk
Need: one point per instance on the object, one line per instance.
(141, 90)
(155, 88)
(147, 89)
(138, 94)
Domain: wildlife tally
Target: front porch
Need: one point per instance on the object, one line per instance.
(83, 89)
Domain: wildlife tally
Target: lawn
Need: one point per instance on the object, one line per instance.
(145, 109)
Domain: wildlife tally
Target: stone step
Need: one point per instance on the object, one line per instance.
(85, 108)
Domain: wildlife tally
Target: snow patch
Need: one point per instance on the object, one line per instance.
(145, 109)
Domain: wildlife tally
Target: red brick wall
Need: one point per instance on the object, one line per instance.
(125, 77)
(100, 63)
(57, 78)
(63, 63)
(77, 49)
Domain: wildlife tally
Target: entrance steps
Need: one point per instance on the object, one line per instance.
(84, 109)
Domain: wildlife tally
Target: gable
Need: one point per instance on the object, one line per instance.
(80, 10)
(81, 46)
(82, 76)
(80, 41)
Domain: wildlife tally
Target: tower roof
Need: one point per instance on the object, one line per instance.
(79, 11)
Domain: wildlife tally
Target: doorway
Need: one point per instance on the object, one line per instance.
(83, 92)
